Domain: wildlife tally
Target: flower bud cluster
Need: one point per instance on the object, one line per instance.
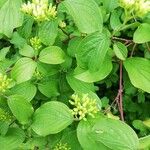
(138, 7)
(5, 116)
(39, 9)
(4, 83)
(62, 146)
(36, 43)
(37, 75)
(62, 24)
(83, 106)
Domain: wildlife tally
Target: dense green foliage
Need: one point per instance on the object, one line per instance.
(75, 74)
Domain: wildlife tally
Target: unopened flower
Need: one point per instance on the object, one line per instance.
(83, 106)
(137, 7)
(62, 24)
(36, 43)
(38, 75)
(40, 10)
(142, 7)
(62, 146)
(5, 116)
(4, 83)
(127, 3)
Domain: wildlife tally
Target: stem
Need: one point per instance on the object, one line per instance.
(122, 39)
(120, 92)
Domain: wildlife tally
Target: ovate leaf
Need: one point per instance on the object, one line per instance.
(20, 108)
(10, 16)
(3, 53)
(51, 118)
(23, 70)
(52, 55)
(92, 51)
(142, 35)
(120, 50)
(144, 143)
(107, 134)
(139, 72)
(48, 32)
(90, 77)
(86, 14)
(25, 89)
(12, 140)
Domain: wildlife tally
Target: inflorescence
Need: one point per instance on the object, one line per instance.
(41, 10)
(62, 146)
(4, 83)
(83, 106)
(138, 7)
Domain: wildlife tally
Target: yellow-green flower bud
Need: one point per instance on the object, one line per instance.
(62, 24)
(5, 116)
(5, 83)
(62, 146)
(36, 43)
(40, 10)
(83, 106)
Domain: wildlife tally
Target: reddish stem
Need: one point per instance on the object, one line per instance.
(120, 92)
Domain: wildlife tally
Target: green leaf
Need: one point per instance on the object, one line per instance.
(70, 137)
(86, 14)
(27, 51)
(17, 40)
(144, 143)
(25, 89)
(139, 72)
(110, 5)
(142, 35)
(20, 108)
(49, 88)
(12, 140)
(3, 53)
(48, 32)
(52, 55)
(92, 51)
(26, 28)
(115, 21)
(120, 50)
(51, 118)
(10, 16)
(3, 127)
(23, 70)
(104, 133)
(79, 86)
(90, 77)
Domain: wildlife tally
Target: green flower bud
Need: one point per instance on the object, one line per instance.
(5, 83)
(36, 43)
(62, 146)
(83, 106)
(40, 10)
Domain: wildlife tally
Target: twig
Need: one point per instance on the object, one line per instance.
(127, 41)
(148, 47)
(133, 49)
(120, 92)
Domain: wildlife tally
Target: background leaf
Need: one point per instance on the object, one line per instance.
(141, 35)
(90, 18)
(23, 70)
(92, 51)
(10, 16)
(139, 72)
(48, 32)
(20, 108)
(52, 55)
(12, 140)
